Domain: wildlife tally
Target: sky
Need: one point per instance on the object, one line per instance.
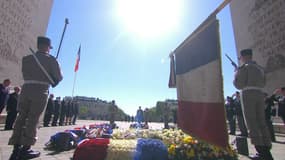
(125, 46)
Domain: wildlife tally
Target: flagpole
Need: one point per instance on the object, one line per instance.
(66, 22)
(74, 84)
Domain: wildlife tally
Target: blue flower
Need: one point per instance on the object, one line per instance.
(150, 149)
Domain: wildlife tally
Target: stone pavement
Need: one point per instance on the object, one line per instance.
(44, 134)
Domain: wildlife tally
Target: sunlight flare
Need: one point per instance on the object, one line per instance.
(149, 18)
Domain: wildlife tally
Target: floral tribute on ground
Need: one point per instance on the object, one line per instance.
(100, 142)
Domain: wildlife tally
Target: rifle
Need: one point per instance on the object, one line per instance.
(32, 50)
(232, 62)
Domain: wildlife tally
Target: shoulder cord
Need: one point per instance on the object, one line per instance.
(43, 69)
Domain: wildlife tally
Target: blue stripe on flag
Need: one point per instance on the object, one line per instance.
(201, 49)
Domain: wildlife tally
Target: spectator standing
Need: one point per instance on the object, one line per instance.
(4, 92)
(139, 116)
(12, 108)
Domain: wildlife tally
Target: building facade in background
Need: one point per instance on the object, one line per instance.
(260, 25)
(20, 24)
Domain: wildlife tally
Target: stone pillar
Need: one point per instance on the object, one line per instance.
(20, 23)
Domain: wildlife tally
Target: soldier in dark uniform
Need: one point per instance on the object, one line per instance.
(146, 118)
(4, 92)
(62, 112)
(75, 112)
(56, 111)
(112, 113)
(269, 102)
(239, 115)
(69, 113)
(250, 79)
(231, 115)
(12, 108)
(49, 111)
(280, 97)
(40, 70)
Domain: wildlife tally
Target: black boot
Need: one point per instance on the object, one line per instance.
(27, 153)
(267, 153)
(15, 152)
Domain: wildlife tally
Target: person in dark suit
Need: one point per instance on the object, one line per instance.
(12, 108)
(4, 92)
(49, 111)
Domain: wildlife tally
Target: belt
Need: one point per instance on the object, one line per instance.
(36, 82)
(251, 88)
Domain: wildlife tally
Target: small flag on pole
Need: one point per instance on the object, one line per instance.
(77, 60)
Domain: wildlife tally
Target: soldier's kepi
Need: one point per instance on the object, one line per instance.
(250, 79)
(40, 70)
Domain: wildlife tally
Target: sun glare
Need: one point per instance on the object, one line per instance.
(149, 18)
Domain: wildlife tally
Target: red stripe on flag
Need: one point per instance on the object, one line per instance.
(204, 120)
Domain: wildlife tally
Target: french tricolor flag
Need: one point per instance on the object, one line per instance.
(200, 85)
(77, 60)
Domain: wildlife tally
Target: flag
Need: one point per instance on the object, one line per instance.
(199, 85)
(77, 60)
(172, 79)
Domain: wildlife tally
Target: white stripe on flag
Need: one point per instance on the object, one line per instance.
(202, 84)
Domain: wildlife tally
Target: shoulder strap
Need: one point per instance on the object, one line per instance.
(43, 69)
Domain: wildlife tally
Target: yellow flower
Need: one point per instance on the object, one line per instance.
(188, 140)
(171, 149)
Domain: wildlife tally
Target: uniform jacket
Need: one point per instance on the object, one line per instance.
(31, 70)
(249, 74)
